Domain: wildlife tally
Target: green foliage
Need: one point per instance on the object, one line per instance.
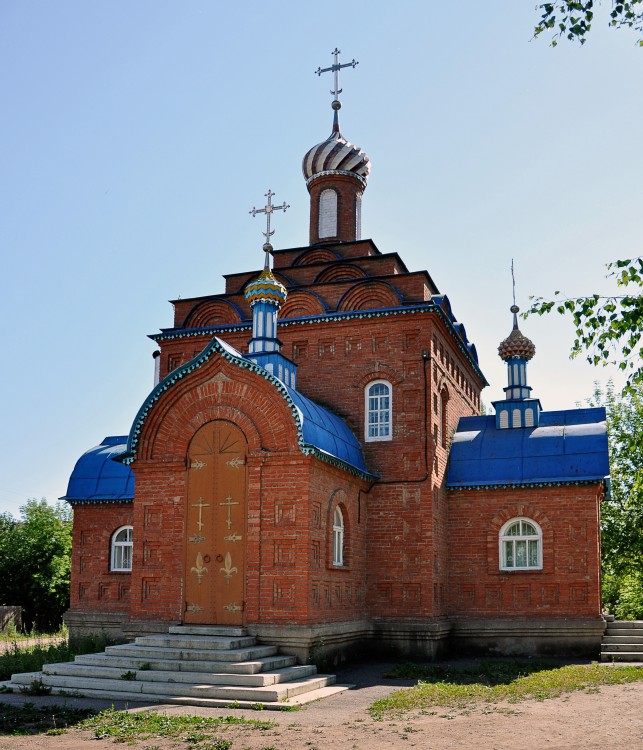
(623, 594)
(491, 682)
(622, 509)
(30, 658)
(572, 20)
(35, 562)
(608, 329)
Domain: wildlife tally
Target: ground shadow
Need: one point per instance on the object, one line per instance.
(27, 718)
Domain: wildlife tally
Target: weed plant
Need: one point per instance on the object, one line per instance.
(121, 726)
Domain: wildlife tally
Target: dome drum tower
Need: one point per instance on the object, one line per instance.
(336, 172)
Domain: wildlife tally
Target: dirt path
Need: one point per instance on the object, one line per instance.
(611, 717)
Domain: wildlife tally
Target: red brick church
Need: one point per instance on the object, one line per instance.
(312, 465)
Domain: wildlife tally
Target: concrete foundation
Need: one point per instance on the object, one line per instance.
(331, 644)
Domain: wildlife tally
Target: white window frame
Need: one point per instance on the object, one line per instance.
(504, 538)
(338, 536)
(122, 550)
(379, 422)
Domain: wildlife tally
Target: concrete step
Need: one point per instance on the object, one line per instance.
(298, 700)
(621, 656)
(135, 688)
(198, 665)
(72, 669)
(625, 625)
(632, 647)
(125, 663)
(191, 654)
(634, 639)
(229, 632)
(203, 642)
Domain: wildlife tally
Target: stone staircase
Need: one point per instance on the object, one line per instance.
(623, 641)
(202, 666)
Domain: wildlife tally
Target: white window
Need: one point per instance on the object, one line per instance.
(521, 545)
(529, 417)
(338, 537)
(122, 544)
(504, 419)
(379, 404)
(515, 419)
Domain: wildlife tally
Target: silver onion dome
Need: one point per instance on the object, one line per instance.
(336, 155)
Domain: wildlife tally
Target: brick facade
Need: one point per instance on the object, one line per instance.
(419, 561)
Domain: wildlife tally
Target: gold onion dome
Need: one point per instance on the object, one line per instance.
(266, 288)
(336, 155)
(516, 345)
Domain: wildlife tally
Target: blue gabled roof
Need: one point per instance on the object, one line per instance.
(327, 432)
(98, 478)
(567, 446)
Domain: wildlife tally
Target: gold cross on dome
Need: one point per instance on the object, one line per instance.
(268, 209)
(335, 68)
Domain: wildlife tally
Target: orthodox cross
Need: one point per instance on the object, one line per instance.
(335, 68)
(268, 209)
(200, 505)
(228, 504)
(514, 308)
(513, 281)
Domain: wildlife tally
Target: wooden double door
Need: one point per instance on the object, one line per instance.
(216, 513)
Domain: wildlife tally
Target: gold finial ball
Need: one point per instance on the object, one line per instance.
(336, 104)
(267, 248)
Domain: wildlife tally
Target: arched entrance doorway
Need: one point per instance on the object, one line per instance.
(215, 538)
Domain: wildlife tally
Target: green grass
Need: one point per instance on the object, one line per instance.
(30, 658)
(29, 719)
(491, 682)
(13, 635)
(121, 726)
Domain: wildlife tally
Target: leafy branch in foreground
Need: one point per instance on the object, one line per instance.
(572, 20)
(608, 329)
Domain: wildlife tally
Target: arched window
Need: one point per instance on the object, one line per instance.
(521, 545)
(515, 418)
(379, 405)
(504, 419)
(122, 544)
(338, 537)
(327, 213)
(529, 417)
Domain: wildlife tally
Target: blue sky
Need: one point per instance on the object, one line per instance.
(136, 137)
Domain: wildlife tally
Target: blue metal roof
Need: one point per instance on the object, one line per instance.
(567, 446)
(327, 432)
(98, 478)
